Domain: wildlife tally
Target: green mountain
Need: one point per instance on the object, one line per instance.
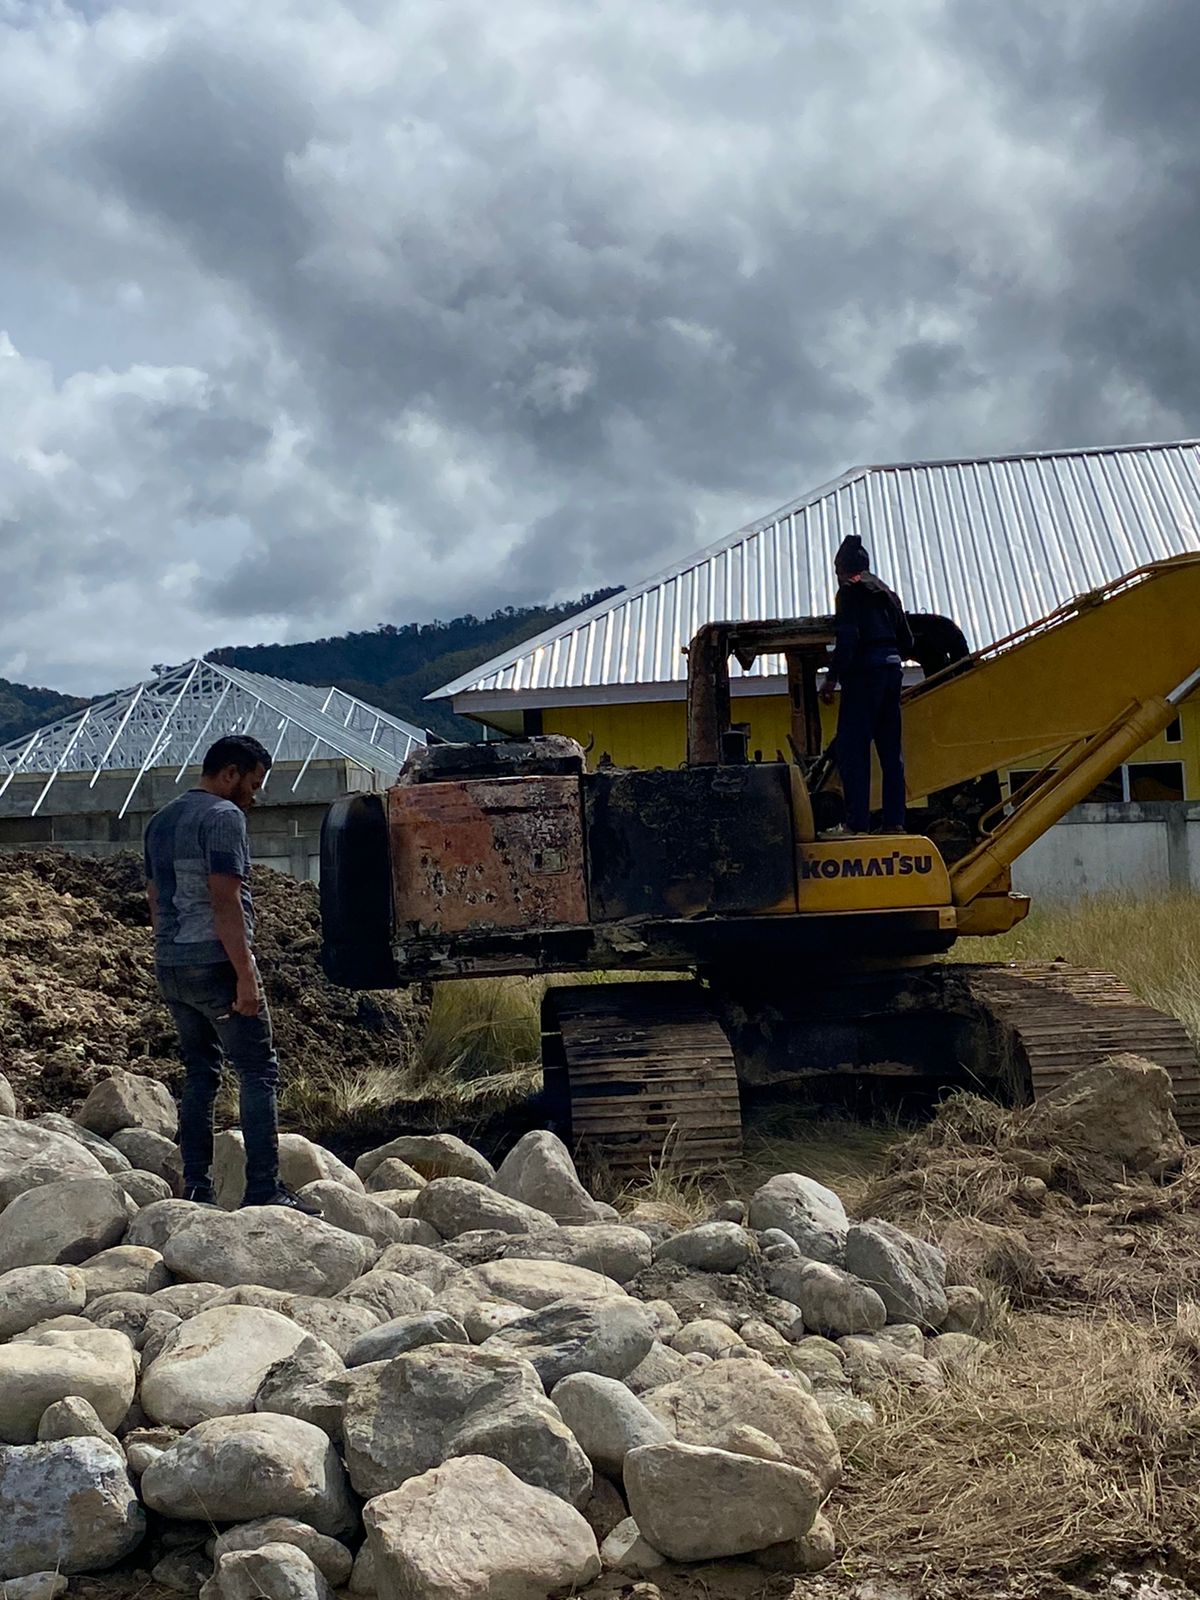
(393, 667)
(396, 667)
(22, 709)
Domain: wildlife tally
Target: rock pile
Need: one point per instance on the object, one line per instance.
(459, 1382)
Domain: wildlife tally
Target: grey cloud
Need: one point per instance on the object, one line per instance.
(375, 316)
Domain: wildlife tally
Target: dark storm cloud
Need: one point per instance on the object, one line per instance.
(325, 315)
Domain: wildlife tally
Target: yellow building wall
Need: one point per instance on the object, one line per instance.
(653, 733)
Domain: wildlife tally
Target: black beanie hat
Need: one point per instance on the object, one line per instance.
(851, 556)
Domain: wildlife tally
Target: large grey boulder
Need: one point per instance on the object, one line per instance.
(1121, 1112)
(908, 1274)
(709, 1247)
(607, 1418)
(341, 1207)
(422, 1263)
(471, 1530)
(329, 1555)
(143, 1188)
(402, 1334)
(301, 1162)
(129, 1100)
(394, 1176)
(29, 1295)
(152, 1152)
(387, 1295)
(433, 1155)
(706, 1336)
(267, 1572)
(266, 1245)
(184, 1300)
(626, 1551)
(125, 1269)
(62, 1224)
(875, 1365)
(73, 1418)
(155, 1223)
(97, 1366)
(311, 1385)
(966, 1309)
(662, 1365)
(806, 1211)
(68, 1506)
(611, 1248)
(337, 1323)
(31, 1156)
(831, 1301)
(534, 1284)
(458, 1205)
(8, 1098)
(237, 1469)
(539, 1171)
(214, 1364)
(695, 1503)
(407, 1415)
(109, 1157)
(709, 1406)
(610, 1337)
(122, 1313)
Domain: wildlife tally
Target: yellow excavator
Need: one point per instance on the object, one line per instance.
(812, 958)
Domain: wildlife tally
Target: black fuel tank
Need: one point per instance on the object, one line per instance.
(689, 842)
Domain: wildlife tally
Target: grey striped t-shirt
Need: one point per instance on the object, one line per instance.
(197, 834)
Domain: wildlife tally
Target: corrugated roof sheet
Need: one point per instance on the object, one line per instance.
(994, 543)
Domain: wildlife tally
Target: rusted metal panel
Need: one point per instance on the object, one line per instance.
(700, 841)
(491, 853)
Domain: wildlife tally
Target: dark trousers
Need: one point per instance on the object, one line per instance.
(200, 1000)
(870, 715)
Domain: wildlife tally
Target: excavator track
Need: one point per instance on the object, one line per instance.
(1053, 1019)
(649, 1072)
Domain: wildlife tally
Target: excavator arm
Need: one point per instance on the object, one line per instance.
(1081, 691)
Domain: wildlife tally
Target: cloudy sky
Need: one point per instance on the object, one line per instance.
(321, 313)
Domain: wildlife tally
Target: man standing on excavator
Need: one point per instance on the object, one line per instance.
(873, 642)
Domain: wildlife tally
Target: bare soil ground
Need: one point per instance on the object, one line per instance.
(77, 992)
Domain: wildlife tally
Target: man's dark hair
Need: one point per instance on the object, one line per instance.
(235, 750)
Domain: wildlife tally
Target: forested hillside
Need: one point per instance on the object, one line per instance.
(22, 709)
(391, 666)
(395, 667)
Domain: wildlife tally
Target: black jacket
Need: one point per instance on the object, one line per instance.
(871, 627)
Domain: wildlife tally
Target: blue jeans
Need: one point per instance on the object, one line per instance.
(200, 1000)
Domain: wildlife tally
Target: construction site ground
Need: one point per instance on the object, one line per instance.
(1068, 1464)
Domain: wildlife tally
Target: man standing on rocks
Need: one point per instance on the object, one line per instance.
(198, 883)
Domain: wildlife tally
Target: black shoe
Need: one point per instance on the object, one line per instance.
(200, 1194)
(283, 1196)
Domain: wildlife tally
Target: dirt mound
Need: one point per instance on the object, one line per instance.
(77, 992)
(1050, 1224)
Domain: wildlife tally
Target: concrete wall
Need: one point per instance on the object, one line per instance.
(1105, 848)
(285, 827)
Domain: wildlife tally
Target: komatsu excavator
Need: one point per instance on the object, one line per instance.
(811, 959)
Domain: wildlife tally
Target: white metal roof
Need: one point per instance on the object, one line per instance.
(994, 543)
(169, 720)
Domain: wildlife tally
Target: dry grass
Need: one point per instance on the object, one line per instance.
(1075, 1440)
(1151, 942)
